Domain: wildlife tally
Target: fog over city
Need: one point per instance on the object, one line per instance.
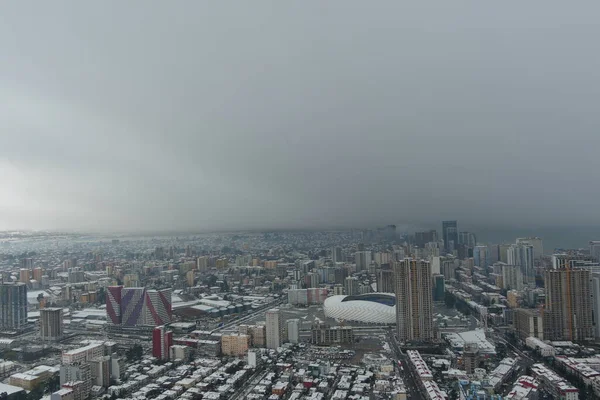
(262, 115)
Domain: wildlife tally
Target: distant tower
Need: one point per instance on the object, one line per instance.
(51, 323)
(450, 235)
(568, 312)
(414, 303)
(13, 306)
(274, 328)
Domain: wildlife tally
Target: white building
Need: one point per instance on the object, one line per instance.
(293, 330)
(274, 327)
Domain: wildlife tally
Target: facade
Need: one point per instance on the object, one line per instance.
(83, 354)
(274, 328)
(293, 330)
(180, 352)
(450, 235)
(323, 334)
(522, 255)
(51, 323)
(63, 394)
(467, 238)
(422, 238)
(133, 307)
(336, 254)
(595, 287)
(480, 256)
(595, 250)
(385, 281)
(362, 260)
(351, 286)
(568, 312)
(29, 380)
(374, 308)
(528, 323)
(235, 344)
(512, 277)
(162, 340)
(536, 242)
(414, 303)
(13, 306)
(100, 371)
(439, 287)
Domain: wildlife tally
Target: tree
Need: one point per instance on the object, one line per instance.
(450, 300)
(134, 353)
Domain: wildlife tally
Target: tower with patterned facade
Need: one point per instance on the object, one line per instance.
(134, 307)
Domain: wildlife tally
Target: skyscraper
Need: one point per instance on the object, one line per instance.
(24, 275)
(595, 250)
(385, 281)
(131, 307)
(274, 328)
(293, 330)
(351, 285)
(467, 238)
(480, 256)
(568, 312)
(162, 340)
(536, 242)
(362, 259)
(450, 235)
(422, 238)
(336, 254)
(414, 303)
(522, 255)
(13, 306)
(51, 323)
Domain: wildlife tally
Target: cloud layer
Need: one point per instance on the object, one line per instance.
(124, 116)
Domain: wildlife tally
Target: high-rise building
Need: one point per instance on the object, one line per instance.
(470, 357)
(274, 327)
(202, 264)
(336, 254)
(536, 243)
(131, 307)
(528, 322)
(24, 275)
(480, 256)
(27, 263)
(439, 287)
(568, 312)
(362, 260)
(13, 306)
(522, 255)
(100, 371)
(422, 238)
(37, 274)
(235, 344)
(351, 285)
(595, 250)
(512, 277)
(311, 280)
(385, 281)
(450, 235)
(293, 330)
(467, 238)
(595, 287)
(414, 303)
(51, 323)
(162, 340)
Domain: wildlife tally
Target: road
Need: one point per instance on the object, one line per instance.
(412, 383)
(247, 387)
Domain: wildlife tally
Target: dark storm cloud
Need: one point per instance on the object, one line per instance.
(190, 115)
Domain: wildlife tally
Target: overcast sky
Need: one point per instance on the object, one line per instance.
(193, 115)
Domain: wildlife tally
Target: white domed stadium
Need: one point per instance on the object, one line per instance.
(370, 308)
